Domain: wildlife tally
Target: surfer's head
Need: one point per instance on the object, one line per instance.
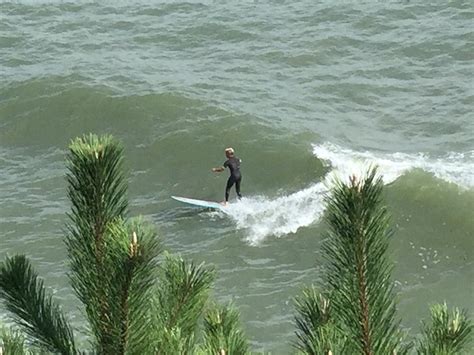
(229, 152)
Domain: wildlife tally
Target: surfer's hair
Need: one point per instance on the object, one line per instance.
(229, 151)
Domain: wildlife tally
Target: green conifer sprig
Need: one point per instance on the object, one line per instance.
(12, 342)
(223, 333)
(25, 297)
(134, 254)
(357, 272)
(317, 333)
(97, 190)
(96, 184)
(113, 262)
(180, 299)
(446, 334)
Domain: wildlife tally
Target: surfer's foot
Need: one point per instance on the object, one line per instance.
(224, 203)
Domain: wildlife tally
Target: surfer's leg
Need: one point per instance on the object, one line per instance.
(237, 187)
(230, 182)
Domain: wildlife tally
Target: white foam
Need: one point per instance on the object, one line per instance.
(455, 168)
(261, 216)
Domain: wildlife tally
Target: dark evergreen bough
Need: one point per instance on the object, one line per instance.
(35, 311)
(180, 299)
(447, 333)
(12, 342)
(222, 333)
(358, 272)
(317, 332)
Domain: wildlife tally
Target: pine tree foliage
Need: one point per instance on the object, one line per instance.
(223, 333)
(317, 333)
(25, 297)
(138, 302)
(97, 190)
(12, 342)
(113, 261)
(132, 254)
(181, 296)
(447, 334)
(357, 271)
(134, 304)
(357, 315)
(96, 184)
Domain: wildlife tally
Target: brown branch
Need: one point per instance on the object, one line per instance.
(124, 307)
(99, 230)
(361, 267)
(362, 282)
(366, 340)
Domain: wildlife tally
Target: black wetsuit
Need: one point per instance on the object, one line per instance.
(235, 177)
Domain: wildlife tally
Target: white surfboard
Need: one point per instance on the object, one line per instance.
(200, 203)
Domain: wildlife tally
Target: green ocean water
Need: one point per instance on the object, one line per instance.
(302, 90)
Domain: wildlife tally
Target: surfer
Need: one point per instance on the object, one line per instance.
(233, 163)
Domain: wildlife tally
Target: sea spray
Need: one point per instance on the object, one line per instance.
(453, 167)
(261, 217)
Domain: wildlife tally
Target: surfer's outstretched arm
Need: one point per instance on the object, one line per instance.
(220, 169)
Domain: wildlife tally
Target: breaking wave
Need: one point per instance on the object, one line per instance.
(262, 217)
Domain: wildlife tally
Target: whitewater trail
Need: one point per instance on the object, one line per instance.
(261, 217)
(455, 168)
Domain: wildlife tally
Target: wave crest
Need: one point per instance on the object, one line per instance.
(262, 217)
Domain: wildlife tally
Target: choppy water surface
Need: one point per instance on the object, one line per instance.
(303, 91)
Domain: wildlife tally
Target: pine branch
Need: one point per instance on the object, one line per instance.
(189, 285)
(135, 252)
(96, 185)
(12, 342)
(183, 291)
(97, 189)
(357, 273)
(316, 331)
(447, 333)
(25, 297)
(223, 333)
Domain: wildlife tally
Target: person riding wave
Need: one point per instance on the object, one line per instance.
(233, 163)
